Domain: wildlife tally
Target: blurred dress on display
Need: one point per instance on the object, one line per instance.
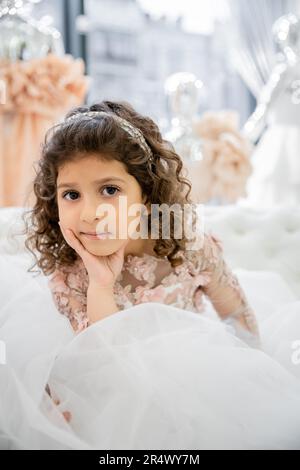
(215, 155)
(39, 84)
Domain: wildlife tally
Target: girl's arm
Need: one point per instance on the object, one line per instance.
(100, 303)
(82, 302)
(225, 292)
(100, 273)
(69, 292)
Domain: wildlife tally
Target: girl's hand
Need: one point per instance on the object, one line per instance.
(66, 414)
(102, 270)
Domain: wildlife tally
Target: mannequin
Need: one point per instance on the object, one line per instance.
(215, 155)
(183, 92)
(276, 161)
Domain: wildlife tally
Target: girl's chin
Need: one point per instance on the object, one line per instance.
(102, 247)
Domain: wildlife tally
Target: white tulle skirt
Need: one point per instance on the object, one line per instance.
(149, 377)
(276, 168)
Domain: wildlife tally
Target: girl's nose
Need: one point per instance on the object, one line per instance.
(89, 213)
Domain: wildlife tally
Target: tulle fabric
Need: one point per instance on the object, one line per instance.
(151, 376)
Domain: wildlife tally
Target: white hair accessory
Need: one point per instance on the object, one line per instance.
(124, 124)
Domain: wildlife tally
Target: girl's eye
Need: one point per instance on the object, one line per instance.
(111, 190)
(67, 193)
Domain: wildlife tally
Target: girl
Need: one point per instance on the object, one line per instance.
(135, 362)
(126, 154)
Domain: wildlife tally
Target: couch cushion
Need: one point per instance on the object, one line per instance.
(260, 239)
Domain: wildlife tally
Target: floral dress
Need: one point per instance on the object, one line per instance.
(148, 278)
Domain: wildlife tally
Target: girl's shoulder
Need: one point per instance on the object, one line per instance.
(206, 254)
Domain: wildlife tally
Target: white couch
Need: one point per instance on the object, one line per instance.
(253, 239)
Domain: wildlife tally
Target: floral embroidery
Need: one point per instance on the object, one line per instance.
(142, 268)
(143, 294)
(203, 272)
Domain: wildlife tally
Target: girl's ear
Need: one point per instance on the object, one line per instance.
(147, 205)
(144, 200)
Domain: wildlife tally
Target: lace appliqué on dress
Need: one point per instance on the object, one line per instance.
(225, 292)
(203, 272)
(69, 287)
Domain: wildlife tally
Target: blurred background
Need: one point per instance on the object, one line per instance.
(220, 77)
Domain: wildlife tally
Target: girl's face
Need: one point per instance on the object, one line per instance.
(86, 184)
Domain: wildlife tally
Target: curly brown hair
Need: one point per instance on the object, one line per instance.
(161, 181)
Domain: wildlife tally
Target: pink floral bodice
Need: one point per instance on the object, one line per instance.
(148, 278)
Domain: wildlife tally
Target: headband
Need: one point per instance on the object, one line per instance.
(124, 124)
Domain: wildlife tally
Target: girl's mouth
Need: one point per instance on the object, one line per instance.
(99, 236)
